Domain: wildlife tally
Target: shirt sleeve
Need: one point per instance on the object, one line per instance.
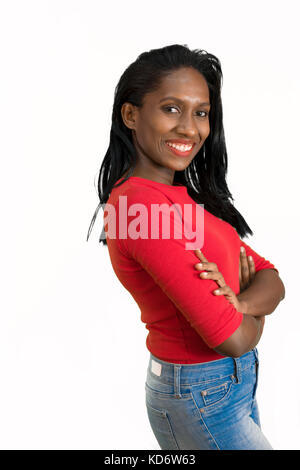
(259, 261)
(172, 267)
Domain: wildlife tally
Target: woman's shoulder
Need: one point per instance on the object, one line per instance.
(140, 191)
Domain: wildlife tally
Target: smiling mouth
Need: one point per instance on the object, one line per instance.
(180, 149)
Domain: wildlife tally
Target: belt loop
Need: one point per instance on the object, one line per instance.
(177, 381)
(238, 371)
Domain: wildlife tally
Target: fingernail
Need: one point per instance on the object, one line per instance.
(242, 249)
(217, 292)
(250, 257)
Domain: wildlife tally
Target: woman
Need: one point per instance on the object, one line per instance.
(167, 149)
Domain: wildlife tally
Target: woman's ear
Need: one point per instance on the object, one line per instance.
(128, 112)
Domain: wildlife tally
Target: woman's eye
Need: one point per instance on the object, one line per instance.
(204, 113)
(169, 107)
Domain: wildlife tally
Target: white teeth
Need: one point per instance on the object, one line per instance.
(182, 148)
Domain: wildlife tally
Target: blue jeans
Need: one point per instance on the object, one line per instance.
(206, 406)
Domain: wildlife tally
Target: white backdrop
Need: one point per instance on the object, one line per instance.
(72, 347)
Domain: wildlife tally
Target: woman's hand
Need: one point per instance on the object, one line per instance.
(212, 272)
(246, 270)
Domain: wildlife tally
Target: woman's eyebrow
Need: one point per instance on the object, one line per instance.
(181, 101)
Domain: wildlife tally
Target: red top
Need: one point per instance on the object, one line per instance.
(184, 318)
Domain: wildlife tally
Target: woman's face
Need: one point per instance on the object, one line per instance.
(178, 110)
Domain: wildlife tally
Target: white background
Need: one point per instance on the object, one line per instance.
(72, 347)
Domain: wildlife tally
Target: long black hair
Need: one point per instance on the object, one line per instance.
(205, 177)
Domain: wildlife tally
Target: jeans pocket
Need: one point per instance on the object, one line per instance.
(162, 428)
(213, 394)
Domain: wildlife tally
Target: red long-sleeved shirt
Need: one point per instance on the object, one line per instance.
(184, 317)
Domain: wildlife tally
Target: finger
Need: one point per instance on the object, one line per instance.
(207, 266)
(223, 290)
(252, 269)
(211, 267)
(200, 255)
(215, 276)
(244, 265)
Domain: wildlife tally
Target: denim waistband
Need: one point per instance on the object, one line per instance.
(187, 374)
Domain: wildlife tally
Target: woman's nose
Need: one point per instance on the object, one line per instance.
(187, 126)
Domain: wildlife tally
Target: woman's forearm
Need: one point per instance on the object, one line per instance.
(244, 338)
(264, 293)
